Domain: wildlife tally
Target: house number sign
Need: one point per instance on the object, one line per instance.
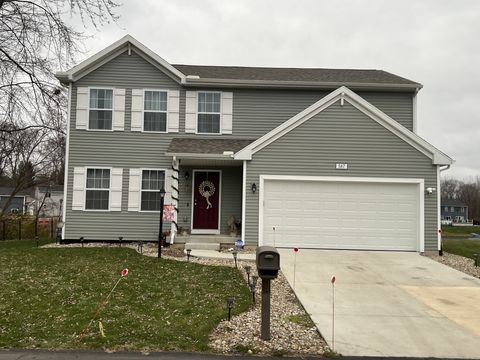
(341, 166)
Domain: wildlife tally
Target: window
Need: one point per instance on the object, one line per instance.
(101, 109)
(155, 111)
(208, 113)
(152, 182)
(446, 209)
(462, 209)
(97, 191)
(452, 209)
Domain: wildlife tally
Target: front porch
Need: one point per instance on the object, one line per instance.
(207, 190)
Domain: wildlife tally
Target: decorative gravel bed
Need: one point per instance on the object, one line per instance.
(292, 331)
(459, 263)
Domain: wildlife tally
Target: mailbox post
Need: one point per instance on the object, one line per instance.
(268, 265)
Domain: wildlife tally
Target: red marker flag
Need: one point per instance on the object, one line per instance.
(295, 249)
(124, 272)
(333, 279)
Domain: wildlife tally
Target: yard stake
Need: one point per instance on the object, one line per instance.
(333, 312)
(103, 304)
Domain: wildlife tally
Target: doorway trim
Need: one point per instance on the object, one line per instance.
(207, 231)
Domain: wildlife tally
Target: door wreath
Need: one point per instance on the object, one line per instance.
(207, 189)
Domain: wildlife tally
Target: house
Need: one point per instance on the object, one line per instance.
(52, 199)
(318, 158)
(19, 203)
(454, 210)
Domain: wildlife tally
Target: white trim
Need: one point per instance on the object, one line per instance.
(109, 188)
(112, 51)
(439, 210)
(140, 190)
(438, 157)
(419, 182)
(414, 111)
(67, 148)
(244, 199)
(219, 226)
(219, 113)
(88, 108)
(143, 112)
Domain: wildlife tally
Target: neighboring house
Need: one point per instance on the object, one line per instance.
(52, 205)
(19, 202)
(315, 158)
(454, 210)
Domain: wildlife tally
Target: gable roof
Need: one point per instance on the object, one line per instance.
(345, 94)
(238, 76)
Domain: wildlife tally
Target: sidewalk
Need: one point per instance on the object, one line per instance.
(213, 254)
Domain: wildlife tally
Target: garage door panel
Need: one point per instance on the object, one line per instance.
(344, 215)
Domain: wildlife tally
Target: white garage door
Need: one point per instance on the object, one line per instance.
(341, 215)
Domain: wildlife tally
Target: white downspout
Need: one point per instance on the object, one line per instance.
(244, 199)
(67, 147)
(439, 211)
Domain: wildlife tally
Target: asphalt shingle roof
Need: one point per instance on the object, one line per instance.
(339, 76)
(206, 146)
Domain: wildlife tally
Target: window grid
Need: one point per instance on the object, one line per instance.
(100, 109)
(208, 110)
(155, 110)
(97, 189)
(152, 182)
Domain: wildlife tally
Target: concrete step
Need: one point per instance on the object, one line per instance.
(202, 246)
(207, 239)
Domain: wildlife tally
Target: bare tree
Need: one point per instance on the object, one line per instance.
(35, 42)
(449, 188)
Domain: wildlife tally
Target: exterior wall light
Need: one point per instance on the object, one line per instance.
(254, 188)
(430, 190)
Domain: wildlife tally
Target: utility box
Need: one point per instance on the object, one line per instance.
(268, 262)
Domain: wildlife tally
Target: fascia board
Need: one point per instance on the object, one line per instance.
(298, 84)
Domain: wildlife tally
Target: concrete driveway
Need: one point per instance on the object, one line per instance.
(388, 303)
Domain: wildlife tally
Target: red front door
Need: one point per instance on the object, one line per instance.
(206, 204)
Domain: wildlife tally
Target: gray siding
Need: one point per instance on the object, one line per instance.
(341, 135)
(258, 111)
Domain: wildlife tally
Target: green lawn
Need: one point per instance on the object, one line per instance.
(48, 296)
(464, 248)
(459, 231)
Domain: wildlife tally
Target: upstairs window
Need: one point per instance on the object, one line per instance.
(209, 113)
(155, 111)
(452, 209)
(152, 182)
(101, 109)
(97, 191)
(445, 209)
(462, 209)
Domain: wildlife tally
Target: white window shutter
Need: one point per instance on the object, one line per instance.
(227, 112)
(82, 108)
(78, 196)
(173, 107)
(134, 190)
(116, 189)
(168, 187)
(191, 111)
(119, 109)
(137, 109)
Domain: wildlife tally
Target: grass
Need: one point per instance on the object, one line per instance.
(464, 248)
(48, 296)
(459, 231)
(301, 319)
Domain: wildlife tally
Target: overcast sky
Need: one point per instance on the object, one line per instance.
(435, 42)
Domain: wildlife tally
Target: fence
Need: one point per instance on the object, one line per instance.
(23, 227)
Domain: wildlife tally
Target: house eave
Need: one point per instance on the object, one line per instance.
(240, 83)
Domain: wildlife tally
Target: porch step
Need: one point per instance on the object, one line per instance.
(207, 239)
(202, 246)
